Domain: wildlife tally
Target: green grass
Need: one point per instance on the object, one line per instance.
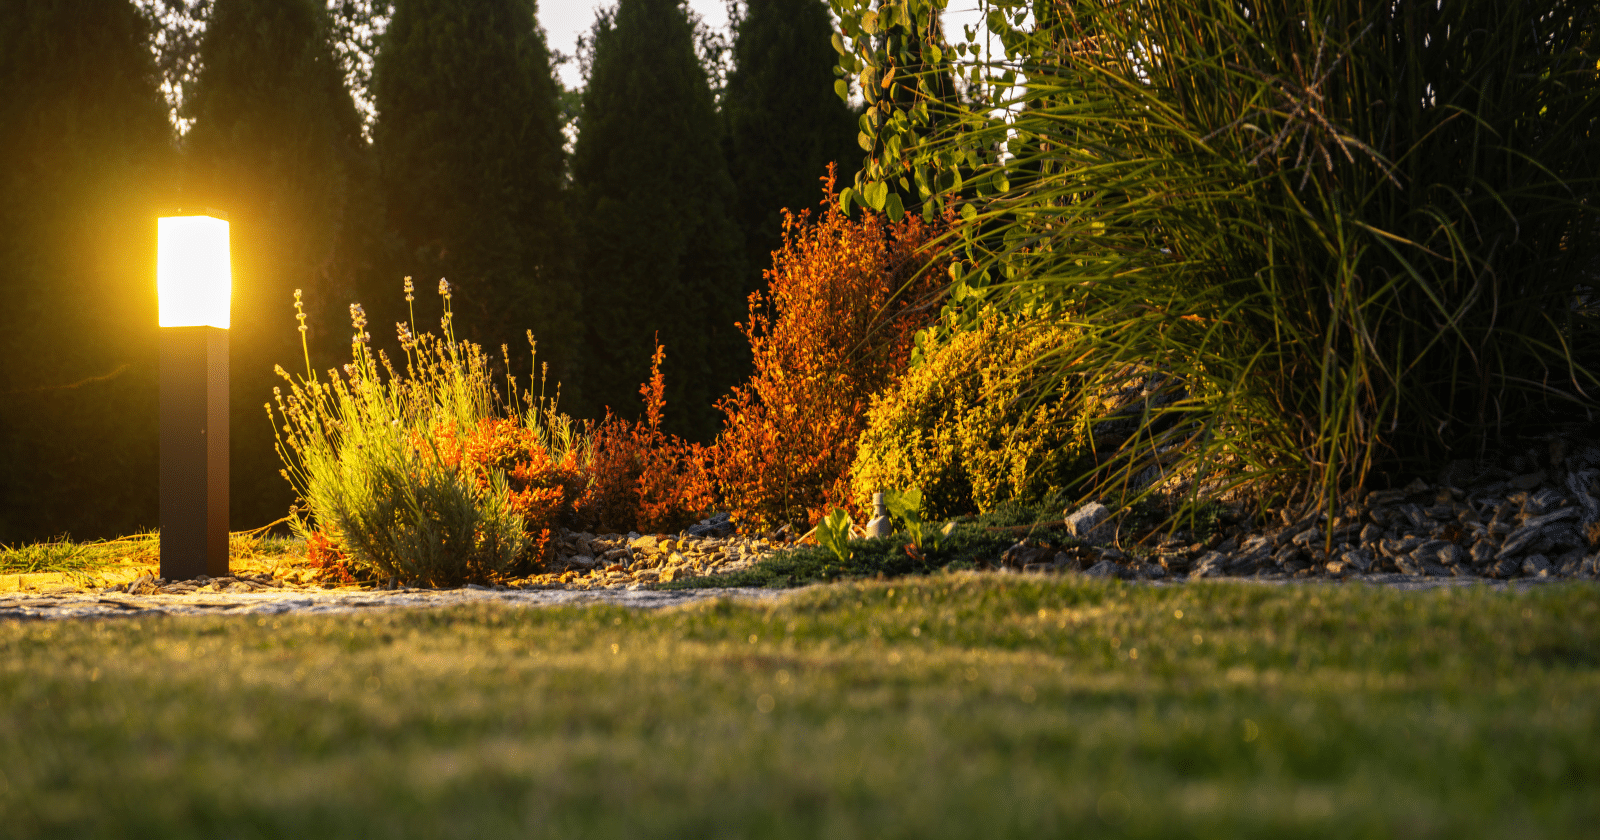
(950, 706)
(84, 563)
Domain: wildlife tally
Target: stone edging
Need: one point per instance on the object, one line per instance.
(347, 601)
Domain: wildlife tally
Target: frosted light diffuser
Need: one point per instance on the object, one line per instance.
(194, 278)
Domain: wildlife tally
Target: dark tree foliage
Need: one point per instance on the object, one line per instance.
(87, 151)
(784, 122)
(469, 146)
(661, 252)
(276, 144)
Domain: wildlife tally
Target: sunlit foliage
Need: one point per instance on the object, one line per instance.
(832, 329)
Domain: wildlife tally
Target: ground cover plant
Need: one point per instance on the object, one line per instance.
(1323, 243)
(961, 544)
(951, 706)
(107, 562)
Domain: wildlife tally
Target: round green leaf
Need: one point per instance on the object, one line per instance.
(875, 194)
(841, 87)
(893, 207)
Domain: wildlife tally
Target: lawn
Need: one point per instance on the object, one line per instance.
(954, 705)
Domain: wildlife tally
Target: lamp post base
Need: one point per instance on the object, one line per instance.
(194, 452)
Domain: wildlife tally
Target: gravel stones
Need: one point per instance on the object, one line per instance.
(242, 582)
(1532, 515)
(610, 561)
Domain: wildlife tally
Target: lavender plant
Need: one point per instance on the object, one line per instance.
(383, 461)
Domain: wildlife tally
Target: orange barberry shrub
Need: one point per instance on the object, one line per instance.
(539, 488)
(641, 478)
(834, 326)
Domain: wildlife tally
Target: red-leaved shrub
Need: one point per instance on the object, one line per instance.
(641, 478)
(834, 327)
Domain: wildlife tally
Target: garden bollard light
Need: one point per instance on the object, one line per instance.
(194, 286)
(880, 526)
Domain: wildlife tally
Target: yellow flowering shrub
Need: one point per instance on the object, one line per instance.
(977, 424)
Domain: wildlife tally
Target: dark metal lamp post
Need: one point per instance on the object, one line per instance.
(194, 286)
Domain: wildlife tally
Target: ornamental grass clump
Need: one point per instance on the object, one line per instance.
(425, 476)
(1348, 240)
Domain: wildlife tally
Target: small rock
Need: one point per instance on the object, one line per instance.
(1529, 481)
(1505, 567)
(1103, 569)
(1395, 548)
(644, 543)
(1065, 562)
(1112, 554)
(1482, 552)
(1305, 539)
(1408, 565)
(1413, 514)
(1090, 524)
(1296, 563)
(1359, 559)
(1257, 544)
(1519, 539)
(1553, 516)
(1440, 513)
(1210, 564)
(1568, 564)
(719, 525)
(1026, 553)
(1536, 565)
(1378, 498)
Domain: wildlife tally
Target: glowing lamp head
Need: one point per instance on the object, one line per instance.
(194, 279)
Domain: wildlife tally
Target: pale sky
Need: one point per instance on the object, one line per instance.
(565, 20)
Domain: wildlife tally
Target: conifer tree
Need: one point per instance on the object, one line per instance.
(86, 146)
(784, 122)
(661, 252)
(276, 144)
(470, 153)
